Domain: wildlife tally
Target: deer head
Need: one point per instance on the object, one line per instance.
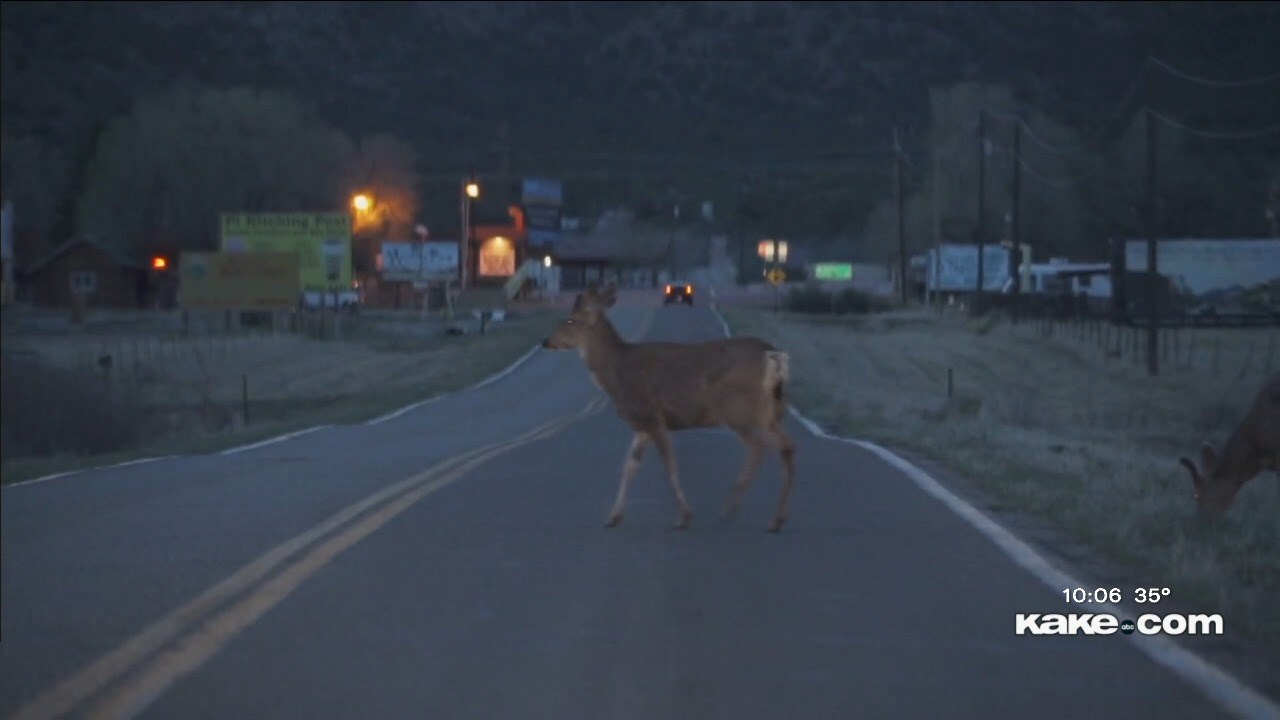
(1213, 492)
(588, 308)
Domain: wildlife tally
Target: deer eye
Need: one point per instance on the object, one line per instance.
(570, 321)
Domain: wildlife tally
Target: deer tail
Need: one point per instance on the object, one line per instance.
(777, 373)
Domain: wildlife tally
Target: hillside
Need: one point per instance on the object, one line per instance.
(698, 91)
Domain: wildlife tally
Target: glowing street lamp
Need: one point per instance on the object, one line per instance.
(470, 193)
(362, 202)
(159, 263)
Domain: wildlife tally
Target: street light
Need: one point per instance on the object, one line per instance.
(470, 193)
(546, 261)
(362, 202)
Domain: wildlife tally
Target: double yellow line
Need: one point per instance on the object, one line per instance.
(183, 640)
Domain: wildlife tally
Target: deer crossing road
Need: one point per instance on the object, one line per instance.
(452, 562)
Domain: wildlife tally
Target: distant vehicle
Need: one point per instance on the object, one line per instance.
(678, 292)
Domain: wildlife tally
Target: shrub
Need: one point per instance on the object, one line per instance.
(814, 299)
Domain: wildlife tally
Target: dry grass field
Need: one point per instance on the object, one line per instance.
(165, 393)
(1052, 421)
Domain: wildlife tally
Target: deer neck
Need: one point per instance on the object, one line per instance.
(1238, 462)
(603, 354)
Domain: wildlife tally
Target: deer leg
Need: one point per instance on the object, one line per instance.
(663, 441)
(638, 444)
(755, 450)
(787, 450)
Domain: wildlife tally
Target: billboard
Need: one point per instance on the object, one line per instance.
(321, 240)
(542, 217)
(497, 258)
(419, 261)
(542, 191)
(241, 281)
(956, 268)
(1230, 276)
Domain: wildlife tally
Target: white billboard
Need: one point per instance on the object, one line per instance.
(1206, 266)
(419, 261)
(956, 269)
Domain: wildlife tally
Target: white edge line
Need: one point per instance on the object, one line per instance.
(491, 379)
(231, 451)
(397, 413)
(510, 368)
(1220, 686)
(272, 441)
(55, 476)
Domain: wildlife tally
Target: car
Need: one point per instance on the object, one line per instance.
(678, 292)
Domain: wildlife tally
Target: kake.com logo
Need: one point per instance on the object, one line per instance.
(1105, 624)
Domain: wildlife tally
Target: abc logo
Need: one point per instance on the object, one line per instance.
(1127, 627)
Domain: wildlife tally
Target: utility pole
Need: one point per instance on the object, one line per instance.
(902, 238)
(1015, 232)
(931, 269)
(1153, 228)
(980, 231)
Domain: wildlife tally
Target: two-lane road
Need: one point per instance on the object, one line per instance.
(452, 562)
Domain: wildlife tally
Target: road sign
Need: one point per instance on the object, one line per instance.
(833, 271)
(777, 275)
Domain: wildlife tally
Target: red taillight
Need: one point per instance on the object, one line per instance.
(668, 289)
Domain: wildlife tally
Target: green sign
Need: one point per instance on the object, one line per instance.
(833, 271)
(321, 240)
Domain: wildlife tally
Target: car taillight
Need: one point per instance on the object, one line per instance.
(668, 289)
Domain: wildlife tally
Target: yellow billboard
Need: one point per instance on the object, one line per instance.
(321, 240)
(240, 281)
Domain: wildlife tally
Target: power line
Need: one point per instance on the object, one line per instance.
(1134, 86)
(1097, 133)
(1215, 134)
(1275, 77)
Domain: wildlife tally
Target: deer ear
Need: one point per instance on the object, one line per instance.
(610, 295)
(1195, 473)
(1208, 459)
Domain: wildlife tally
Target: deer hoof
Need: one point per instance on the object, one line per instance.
(613, 520)
(683, 522)
(776, 525)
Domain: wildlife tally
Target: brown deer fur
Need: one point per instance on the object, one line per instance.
(662, 387)
(1252, 448)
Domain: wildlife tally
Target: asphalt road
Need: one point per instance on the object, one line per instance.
(233, 586)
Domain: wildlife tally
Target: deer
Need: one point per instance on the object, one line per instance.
(1254, 446)
(659, 388)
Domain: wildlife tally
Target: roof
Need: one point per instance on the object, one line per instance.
(610, 248)
(114, 253)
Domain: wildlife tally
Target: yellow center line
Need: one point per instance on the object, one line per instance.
(94, 678)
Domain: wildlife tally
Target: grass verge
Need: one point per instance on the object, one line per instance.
(1050, 422)
(186, 397)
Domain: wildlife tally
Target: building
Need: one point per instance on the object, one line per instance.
(82, 267)
(596, 259)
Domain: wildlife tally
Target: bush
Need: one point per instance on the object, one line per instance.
(809, 299)
(813, 299)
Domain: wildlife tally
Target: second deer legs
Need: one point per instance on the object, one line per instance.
(634, 455)
(663, 441)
